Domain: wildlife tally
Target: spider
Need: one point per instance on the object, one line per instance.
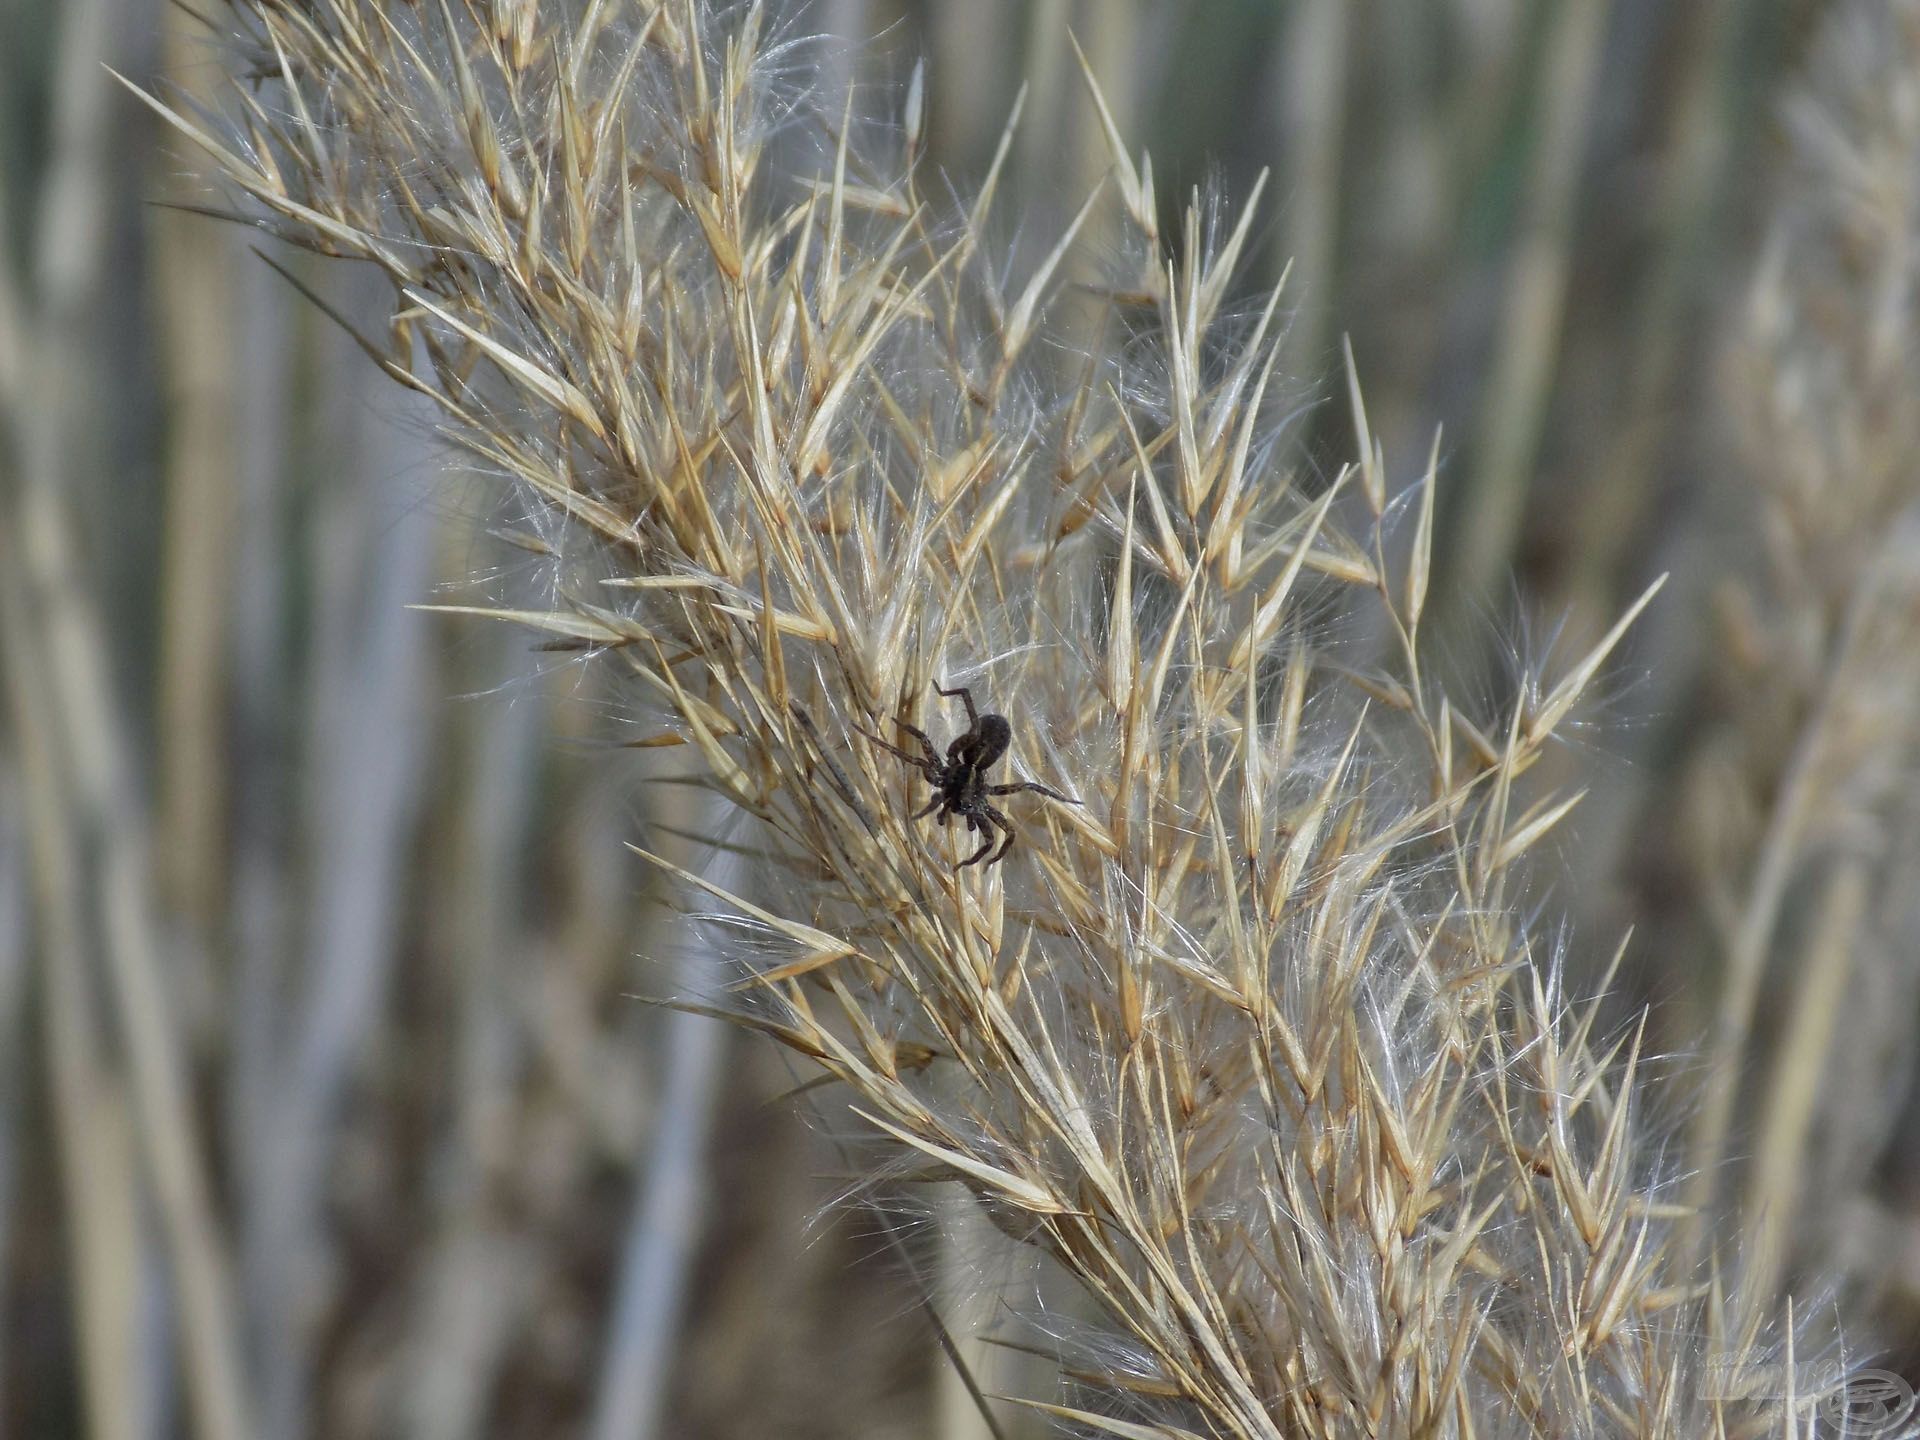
(960, 780)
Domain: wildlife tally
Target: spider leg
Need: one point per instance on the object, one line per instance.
(931, 806)
(907, 755)
(981, 853)
(966, 699)
(933, 755)
(1018, 786)
(996, 818)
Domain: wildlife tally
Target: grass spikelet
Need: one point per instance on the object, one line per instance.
(1251, 1040)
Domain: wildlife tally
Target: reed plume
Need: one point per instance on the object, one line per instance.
(1256, 1040)
(1803, 825)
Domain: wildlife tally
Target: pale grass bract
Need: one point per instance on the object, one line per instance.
(1254, 1043)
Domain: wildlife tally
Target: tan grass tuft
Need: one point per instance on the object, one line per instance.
(1253, 1042)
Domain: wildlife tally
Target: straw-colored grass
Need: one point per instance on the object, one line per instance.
(1803, 794)
(1255, 1040)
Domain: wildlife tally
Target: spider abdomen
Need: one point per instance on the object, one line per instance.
(982, 745)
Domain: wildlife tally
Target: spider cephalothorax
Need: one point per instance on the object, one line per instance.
(960, 779)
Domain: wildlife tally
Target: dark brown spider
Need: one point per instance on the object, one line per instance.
(960, 780)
